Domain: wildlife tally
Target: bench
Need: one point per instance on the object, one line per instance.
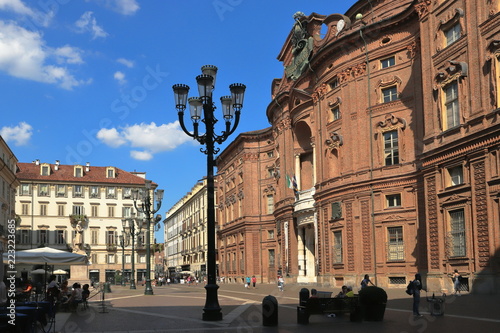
(327, 305)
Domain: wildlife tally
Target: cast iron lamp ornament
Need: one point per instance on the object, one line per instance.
(231, 108)
(146, 207)
(132, 223)
(122, 245)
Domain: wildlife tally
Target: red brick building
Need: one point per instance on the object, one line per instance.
(388, 119)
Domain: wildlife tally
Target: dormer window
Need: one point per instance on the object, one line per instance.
(78, 171)
(45, 170)
(110, 172)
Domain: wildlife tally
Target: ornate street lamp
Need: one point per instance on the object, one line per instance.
(146, 207)
(133, 223)
(231, 108)
(122, 244)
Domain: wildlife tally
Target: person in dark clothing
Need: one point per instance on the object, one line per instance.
(417, 287)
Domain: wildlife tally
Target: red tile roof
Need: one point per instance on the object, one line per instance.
(65, 173)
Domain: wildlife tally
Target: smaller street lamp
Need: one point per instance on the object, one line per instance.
(122, 244)
(133, 224)
(144, 203)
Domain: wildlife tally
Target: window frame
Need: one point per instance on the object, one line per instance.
(393, 200)
(395, 243)
(457, 233)
(392, 96)
(337, 248)
(454, 37)
(390, 63)
(391, 151)
(451, 105)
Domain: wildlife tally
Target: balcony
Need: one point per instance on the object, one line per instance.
(304, 206)
(111, 247)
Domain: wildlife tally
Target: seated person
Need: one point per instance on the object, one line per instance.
(343, 292)
(349, 293)
(314, 293)
(65, 292)
(76, 296)
(85, 292)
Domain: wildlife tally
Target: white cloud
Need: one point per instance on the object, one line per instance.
(120, 77)
(88, 23)
(123, 61)
(19, 135)
(18, 7)
(141, 155)
(23, 54)
(124, 7)
(148, 137)
(111, 137)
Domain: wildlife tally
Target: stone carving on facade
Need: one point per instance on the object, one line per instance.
(387, 82)
(493, 57)
(319, 92)
(412, 49)
(391, 123)
(241, 194)
(367, 235)
(433, 224)
(302, 46)
(454, 15)
(480, 199)
(350, 237)
(335, 141)
(423, 8)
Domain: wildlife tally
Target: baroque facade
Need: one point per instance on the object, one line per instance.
(52, 198)
(387, 117)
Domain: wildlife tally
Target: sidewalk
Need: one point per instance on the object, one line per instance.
(179, 308)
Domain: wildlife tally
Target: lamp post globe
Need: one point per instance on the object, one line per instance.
(202, 110)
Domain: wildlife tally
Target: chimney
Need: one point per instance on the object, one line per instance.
(87, 167)
(57, 165)
(37, 162)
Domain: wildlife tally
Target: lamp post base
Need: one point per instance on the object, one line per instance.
(149, 288)
(132, 284)
(212, 310)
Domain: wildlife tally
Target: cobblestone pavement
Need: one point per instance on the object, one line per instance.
(179, 308)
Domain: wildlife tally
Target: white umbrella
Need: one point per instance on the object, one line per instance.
(59, 272)
(47, 255)
(38, 271)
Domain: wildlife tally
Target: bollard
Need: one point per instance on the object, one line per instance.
(269, 311)
(303, 296)
(107, 287)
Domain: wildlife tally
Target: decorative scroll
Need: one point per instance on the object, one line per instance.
(350, 237)
(422, 8)
(480, 197)
(367, 235)
(336, 140)
(433, 223)
(391, 123)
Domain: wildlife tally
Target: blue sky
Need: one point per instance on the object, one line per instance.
(91, 81)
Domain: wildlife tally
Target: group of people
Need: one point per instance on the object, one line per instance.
(68, 298)
(250, 281)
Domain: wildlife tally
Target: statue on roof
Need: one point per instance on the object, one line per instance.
(302, 43)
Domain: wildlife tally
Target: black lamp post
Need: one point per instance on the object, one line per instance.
(231, 108)
(122, 244)
(146, 206)
(132, 223)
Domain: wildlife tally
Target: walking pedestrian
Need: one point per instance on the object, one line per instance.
(254, 281)
(281, 283)
(247, 282)
(457, 278)
(365, 281)
(417, 287)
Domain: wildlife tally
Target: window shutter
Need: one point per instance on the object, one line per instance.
(336, 210)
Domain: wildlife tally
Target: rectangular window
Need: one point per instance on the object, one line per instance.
(78, 210)
(110, 237)
(77, 191)
(455, 176)
(110, 192)
(142, 258)
(78, 172)
(43, 190)
(43, 209)
(43, 237)
(337, 247)
(453, 34)
(270, 172)
(389, 94)
(270, 204)
(94, 191)
(334, 83)
(127, 211)
(128, 258)
(94, 236)
(391, 148)
(111, 258)
(25, 236)
(270, 154)
(270, 234)
(25, 189)
(336, 210)
(110, 173)
(272, 258)
(60, 237)
(61, 191)
(60, 210)
(336, 113)
(388, 62)
(25, 208)
(94, 210)
(94, 258)
(457, 233)
(451, 106)
(393, 200)
(45, 170)
(395, 245)
(127, 193)
(111, 211)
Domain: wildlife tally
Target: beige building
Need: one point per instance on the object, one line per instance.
(51, 199)
(186, 234)
(9, 184)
